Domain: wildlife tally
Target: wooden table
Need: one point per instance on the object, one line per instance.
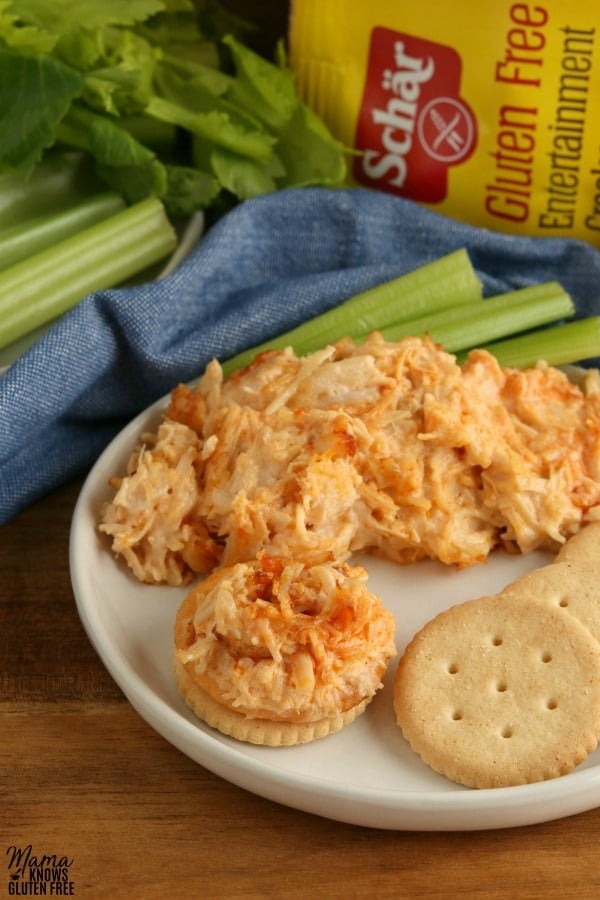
(83, 777)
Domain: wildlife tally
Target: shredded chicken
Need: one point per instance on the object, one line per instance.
(389, 448)
(286, 641)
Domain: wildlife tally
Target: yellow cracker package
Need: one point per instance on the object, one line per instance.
(486, 112)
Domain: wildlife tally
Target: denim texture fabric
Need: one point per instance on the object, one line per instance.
(268, 265)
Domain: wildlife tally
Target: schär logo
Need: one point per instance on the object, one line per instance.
(412, 123)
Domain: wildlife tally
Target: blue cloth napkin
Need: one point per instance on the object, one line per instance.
(265, 267)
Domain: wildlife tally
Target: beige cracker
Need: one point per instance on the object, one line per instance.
(571, 581)
(257, 731)
(583, 547)
(568, 585)
(496, 692)
(278, 651)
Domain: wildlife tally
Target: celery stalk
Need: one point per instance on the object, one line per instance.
(505, 314)
(61, 180)
(444, 283)
(561, 345)
(42, 287)
(22, 241)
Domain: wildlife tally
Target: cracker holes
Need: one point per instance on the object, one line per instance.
(507, 732)
(457, 715)
(496, 640)
(563, 602)
(452, 668)
(546, 656)
(501, 687)
(551, 704)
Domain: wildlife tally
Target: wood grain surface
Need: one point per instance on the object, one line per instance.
(83, 776)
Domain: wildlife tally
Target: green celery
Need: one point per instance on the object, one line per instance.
(560, 345)
(35, 93)
(86, 76)
(61, 180)
(441, 284)
(215, 127)
(499, 316)
(44, 286)
(22, 241)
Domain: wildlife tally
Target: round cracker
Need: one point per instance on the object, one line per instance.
(496, 692)
(256, 731)
(583, 547)
(275, 722)
(569, 586)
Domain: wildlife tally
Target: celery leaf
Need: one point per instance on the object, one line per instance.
(309, 153)
(35, 94)
(79, 74)
(18, 36)
(264, 89)
(189, 189)
(216, 127)
(62, 16)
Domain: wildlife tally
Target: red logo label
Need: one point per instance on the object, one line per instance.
(412, 123)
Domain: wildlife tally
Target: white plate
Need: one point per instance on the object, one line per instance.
(366, 774)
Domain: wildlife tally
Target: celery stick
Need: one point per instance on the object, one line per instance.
(61, 180)
(42, 287)
(561, 345)
(505, 314)
(437, 285)
(22, 241)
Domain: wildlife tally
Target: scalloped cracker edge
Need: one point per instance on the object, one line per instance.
(505, 689)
